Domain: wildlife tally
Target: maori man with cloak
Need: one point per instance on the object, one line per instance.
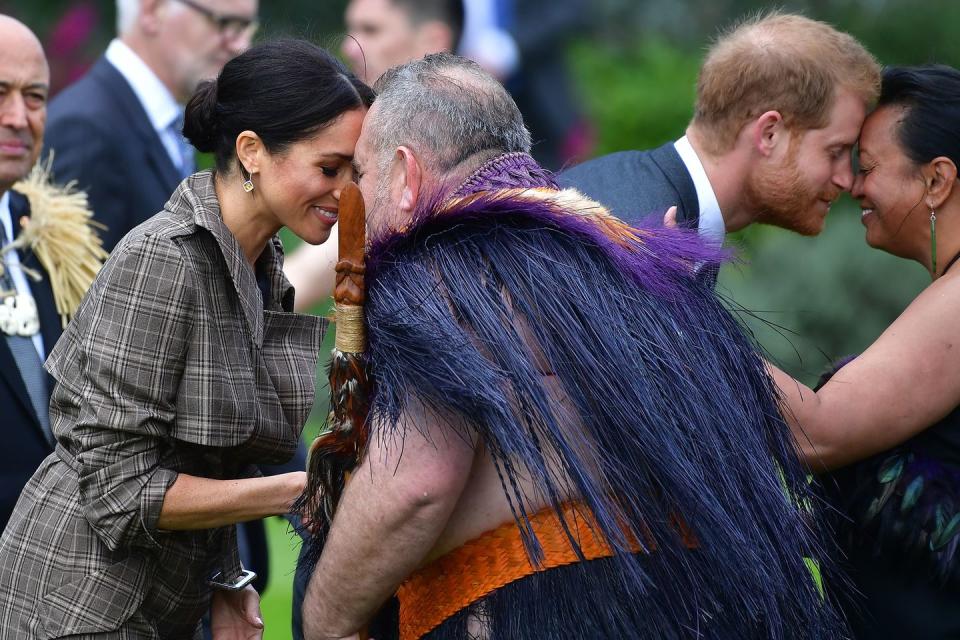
(568, 434)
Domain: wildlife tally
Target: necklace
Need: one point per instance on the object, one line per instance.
(18, 315)
(18, 311)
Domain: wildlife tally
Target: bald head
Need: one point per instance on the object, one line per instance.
(15, 32)
(24, 85)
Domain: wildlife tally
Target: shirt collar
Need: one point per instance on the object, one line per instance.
(161, 107)
(711, 220)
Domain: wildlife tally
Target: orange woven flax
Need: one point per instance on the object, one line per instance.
(497, 558)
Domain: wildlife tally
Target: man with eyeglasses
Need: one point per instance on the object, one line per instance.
(117, 130)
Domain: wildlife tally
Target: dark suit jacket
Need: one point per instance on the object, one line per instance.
(25, 444)
(637, 184)
(102, 138)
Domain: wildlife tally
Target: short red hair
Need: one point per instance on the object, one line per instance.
(778, 62)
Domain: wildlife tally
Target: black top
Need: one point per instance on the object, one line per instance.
(900, 528)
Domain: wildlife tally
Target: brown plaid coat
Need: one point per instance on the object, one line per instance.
(173, 363)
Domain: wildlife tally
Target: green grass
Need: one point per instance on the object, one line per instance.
(277, 599)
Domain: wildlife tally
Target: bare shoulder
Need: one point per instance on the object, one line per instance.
(926, 317)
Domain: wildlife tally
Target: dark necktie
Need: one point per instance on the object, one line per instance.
(26, 356)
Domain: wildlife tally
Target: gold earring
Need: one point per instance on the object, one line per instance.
(247, 182)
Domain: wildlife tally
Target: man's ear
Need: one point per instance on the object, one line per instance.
(767, 132)
(407, 179)
(250, 151)
(940, 177)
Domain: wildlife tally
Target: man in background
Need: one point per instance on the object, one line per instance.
(780, 101)
(523, 44)
(117, 130)
(384, 33)
(31, 293)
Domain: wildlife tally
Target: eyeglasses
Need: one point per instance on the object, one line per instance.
(228, 25)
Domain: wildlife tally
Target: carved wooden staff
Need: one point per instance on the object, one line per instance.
(338, 449)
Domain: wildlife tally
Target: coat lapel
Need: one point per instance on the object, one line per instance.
(675, 172)
(139, 124)
(206, 214)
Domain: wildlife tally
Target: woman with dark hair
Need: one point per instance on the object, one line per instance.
(184, 368)
(889, 420)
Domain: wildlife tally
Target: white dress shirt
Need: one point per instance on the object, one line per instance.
(12, 262)
(710, 224)
(161, 107)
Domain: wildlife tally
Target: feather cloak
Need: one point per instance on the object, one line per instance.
(677, 416)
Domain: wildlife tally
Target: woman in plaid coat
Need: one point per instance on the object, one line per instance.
(184, 368)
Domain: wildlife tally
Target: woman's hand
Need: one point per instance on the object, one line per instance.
(235, 615)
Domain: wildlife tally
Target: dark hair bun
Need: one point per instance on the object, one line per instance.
(200, 122)
(283, 90)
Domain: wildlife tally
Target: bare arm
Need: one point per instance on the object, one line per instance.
(310, 270)
(902, 384)
(392, 512)
(192, 502)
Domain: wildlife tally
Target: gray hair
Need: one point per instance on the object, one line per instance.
(128, 11)
(447, 108)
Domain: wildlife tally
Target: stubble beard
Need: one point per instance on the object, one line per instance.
(781, 198)
(381, 215)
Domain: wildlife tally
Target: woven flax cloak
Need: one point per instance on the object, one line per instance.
(677, 413)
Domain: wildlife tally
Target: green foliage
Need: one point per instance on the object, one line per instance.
(810, 301)
(638, 97)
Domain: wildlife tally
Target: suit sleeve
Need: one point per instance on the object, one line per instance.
(132, 348)
(84, 152)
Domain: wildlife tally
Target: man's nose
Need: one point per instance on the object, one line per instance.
(843, 178)
(13, 111)
(239, 43)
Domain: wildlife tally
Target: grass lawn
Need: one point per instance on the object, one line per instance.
(275, 605)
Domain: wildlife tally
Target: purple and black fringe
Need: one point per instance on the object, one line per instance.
(676, 410)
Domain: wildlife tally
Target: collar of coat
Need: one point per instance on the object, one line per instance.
(196, 197)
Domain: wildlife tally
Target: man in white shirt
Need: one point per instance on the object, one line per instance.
(780, 101)
(117, 130)
(384, 33)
